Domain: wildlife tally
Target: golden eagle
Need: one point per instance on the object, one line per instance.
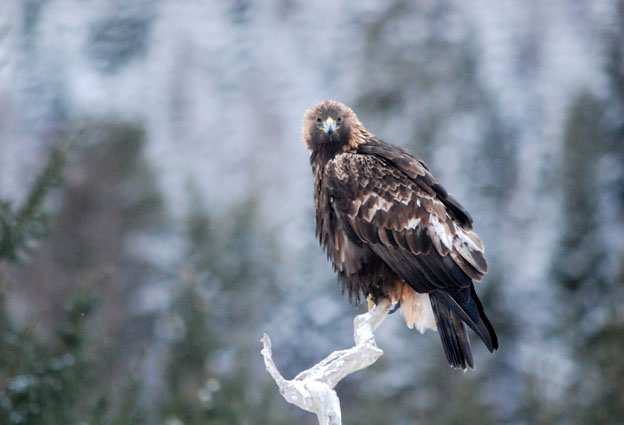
(392, 231)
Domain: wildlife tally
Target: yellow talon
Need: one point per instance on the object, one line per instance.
(370, 302)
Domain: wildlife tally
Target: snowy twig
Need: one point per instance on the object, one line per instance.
(313, 389)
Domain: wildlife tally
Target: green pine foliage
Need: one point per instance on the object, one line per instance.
(20, 226)
(597, 292)
(45, 382)
(590, 318)
(215, 311)
(60, 370)
(580, 267)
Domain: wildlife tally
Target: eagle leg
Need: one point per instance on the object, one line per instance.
(395, 307)
(372, 300)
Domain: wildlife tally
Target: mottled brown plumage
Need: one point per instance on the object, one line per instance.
(391, 230)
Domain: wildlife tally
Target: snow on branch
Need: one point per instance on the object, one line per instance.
(313, 389)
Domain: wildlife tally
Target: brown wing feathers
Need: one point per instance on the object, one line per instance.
(383, 207)
(418, 171)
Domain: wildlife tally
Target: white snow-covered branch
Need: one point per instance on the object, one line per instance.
(313, 389)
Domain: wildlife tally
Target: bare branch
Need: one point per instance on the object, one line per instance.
(313, 389)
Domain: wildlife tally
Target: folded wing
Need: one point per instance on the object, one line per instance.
(405, 222)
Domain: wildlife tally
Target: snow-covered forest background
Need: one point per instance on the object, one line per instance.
(156, 208)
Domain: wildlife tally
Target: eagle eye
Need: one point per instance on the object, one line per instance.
(319, 120)
(339, 120)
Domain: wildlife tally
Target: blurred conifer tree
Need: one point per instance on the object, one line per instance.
(221, 298)
(591, 290)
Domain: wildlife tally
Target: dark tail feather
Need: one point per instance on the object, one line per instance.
(452, 333)
(488, 325)
(466, 306)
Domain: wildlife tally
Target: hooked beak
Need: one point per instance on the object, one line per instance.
(329, 126)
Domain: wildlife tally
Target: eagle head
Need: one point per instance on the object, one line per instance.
(330, 126)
